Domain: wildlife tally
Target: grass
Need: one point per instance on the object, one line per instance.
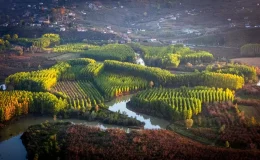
(185, 132)
(250, 111)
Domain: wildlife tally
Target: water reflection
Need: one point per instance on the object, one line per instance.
(21, 125)
(119, 104)
(12, 149)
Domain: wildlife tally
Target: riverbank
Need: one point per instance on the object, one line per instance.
(10, 134)
(150, 122)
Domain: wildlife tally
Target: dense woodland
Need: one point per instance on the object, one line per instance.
(206, 101)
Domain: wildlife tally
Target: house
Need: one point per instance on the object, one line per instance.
(62, 29)
(72, 14)
(122, 42)
(83, 12)
(93, 6)
(174, 18)
(44, 20)
(247, 26)
(3, 87)
(81, 29)
(174, 42)
(110, 41)
(153, 40)
(128, 40)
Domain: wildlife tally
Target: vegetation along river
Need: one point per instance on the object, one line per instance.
(11, 146)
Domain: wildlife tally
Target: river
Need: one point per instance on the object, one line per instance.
(11, 147)
(258, 84)
(119, 104)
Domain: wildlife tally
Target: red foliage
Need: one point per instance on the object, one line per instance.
(241, 137)
(204, 132)
(251, 90)
(93, 143)
(224, 114)
(248, 102)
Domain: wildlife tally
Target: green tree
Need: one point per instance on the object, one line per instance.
(253, 121)
(222, 128)
(7, 43)
(151, 84)
(15, 37)
(188, 123)
(227, 145)
(7, 37)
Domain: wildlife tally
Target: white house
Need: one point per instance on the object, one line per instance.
(153, 40)
(72, 14)
(3, 87)
(62, 29)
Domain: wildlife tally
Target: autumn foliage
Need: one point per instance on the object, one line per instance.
(78, 142)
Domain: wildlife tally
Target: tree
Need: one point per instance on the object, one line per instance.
(22, 23)
(151, 84)
(253, 121)
(2, 42)
(15, 37)
(7, 37)
(171, 60)
(188, 123)
(96, 108)
(19, 50)
(227, 145)
(199, 120)
(71, 25)
(7, 43)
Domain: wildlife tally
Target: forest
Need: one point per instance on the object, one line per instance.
(203, 103)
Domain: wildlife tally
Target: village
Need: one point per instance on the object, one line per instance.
(108, 17)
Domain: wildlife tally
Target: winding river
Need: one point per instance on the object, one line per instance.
(11, 147)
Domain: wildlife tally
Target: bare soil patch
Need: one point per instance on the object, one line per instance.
(254, 61)
(10, 64)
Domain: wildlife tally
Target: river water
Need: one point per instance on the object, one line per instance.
(11, 147)
(119, 104)
(258, 84)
